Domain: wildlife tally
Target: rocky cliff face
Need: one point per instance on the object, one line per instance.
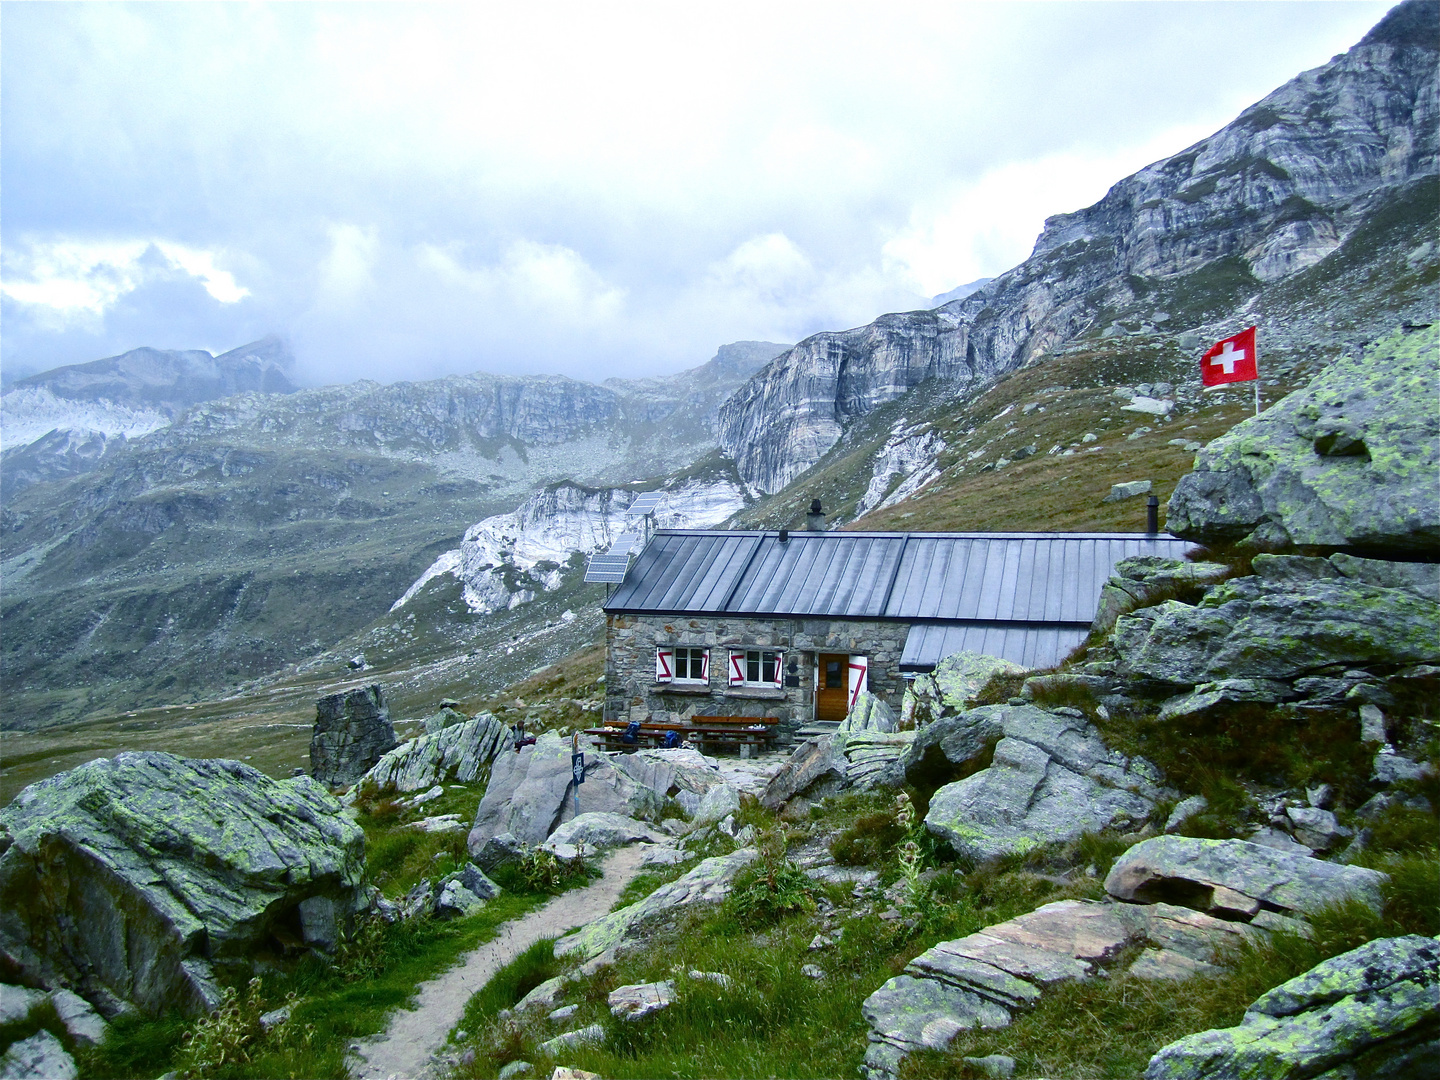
(1180, 246)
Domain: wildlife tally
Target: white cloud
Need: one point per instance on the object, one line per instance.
(983, 228)
(76, 280)
(545, 278)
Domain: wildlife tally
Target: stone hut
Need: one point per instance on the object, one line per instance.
(795, 625)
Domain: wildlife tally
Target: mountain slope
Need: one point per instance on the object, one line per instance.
(257, 530)
(1187, 244)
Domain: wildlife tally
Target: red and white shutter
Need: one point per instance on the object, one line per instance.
(737, 668)
(705, 665)
(859, 669)
(664, 665)
(779, 669)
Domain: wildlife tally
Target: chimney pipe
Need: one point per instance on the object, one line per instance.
(815, 519)
(784, 536)
(1152, 515)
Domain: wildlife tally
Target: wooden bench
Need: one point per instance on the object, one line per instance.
(710, 732)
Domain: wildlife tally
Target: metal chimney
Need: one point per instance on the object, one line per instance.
(1152, 515)
(815, 519)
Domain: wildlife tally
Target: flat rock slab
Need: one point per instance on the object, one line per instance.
(924, 1014)
(1183, 930)
(1074, 928)
(1171, 867)
(1168, 965)
(708, 882)
(636, 1001)
(590, 1035)
(1039, 966)
(600, 831)
(1368, 1012)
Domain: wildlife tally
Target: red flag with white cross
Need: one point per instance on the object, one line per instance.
(1230, 361)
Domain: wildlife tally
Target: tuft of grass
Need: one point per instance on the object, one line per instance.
(870, 839)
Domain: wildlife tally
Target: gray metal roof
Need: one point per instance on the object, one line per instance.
(909, 577)
(1029, 646)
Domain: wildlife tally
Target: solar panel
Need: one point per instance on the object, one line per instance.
(645, 503)
(607, 567)
(628, 542)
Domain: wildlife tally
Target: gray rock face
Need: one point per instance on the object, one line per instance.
(1350, 460)
(951, 743)
(952, 687)
(1143, 579)
(352, 733)
(1052, 778)
(1226, 204)
(817, 766)
(1214, 697)
(445, 718)
(40, 1057)
(707, 883)
(122, 878)
(718, 804)
(532, 792)
(874, 757)
(1232, 875)
(1252, 627)
(869, 713)
(452, 754)
(1369, 1012)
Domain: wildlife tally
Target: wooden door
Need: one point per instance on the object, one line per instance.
(832, 696)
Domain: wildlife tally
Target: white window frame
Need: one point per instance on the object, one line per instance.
(740, 663)
(692, 680)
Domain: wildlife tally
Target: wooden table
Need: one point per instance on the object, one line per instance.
(710, 732)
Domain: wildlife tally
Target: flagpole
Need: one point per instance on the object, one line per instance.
(1257, 374)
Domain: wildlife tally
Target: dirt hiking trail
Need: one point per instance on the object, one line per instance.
(405, 1050)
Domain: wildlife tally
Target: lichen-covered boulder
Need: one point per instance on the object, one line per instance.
(1371, 1012)
(949, 747)
(1235, 877)
(1350, 461)
(1277, 628)
(1052, 778)
(532, 792)
(451, 755)
(122, 879)
(952, 687)
(1144, 579)
(707, 883)
(352, 732)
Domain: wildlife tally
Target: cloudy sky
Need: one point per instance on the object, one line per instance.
(590, 189)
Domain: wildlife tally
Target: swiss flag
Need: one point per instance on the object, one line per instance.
(1231, 360)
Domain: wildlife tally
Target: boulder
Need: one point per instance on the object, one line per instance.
(953, 686)
(1236, 877)
(636, 1001)
(1316, 828)
(1350, 461)
(476, 880)
(1184, 810)
(1052, 778)
(817, 767)
(123, 878)
(674, 773)
(597, 832)
(447, 717)
(719, 804)
(531, 793)
(1212, 698)
(40, 1057)
(454, 900)
(1252, 627)
(352, 732)
(1369, 1012)
(590, 1035)
(1130, 489)
(498, 851)
(455, 754)
(908, 1014)
(707, 883)
(949, 745)
(873, 757)
(869, 713)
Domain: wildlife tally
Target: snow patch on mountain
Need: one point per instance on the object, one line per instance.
(909, 453)
(508, 559)
(32, 412)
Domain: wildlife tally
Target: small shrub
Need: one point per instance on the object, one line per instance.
(767, 893)
(1001, 687)
(225, 1037)
(869, 840)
